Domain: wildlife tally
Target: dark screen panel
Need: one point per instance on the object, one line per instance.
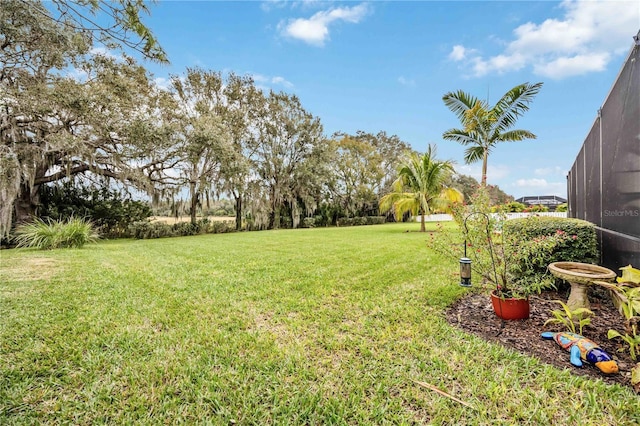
(604, 182)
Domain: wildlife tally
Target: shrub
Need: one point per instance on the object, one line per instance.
(46, 235)
(329, 214)
(359, 221)
(309, 222)
(376, 220)
(514, 254)
(145, 230)
(110, 211)
(222, 227)
(321, 220)
(530, 259)
(182, 229)
(562, 207)
(581, 246)
(512, 207)
(536, 209)
(515, 207)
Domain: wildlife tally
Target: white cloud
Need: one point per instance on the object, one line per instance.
(494, 173)
(307, 4)
(78, 75)
(406, 81)
(459, 52)
(265, 82)
(585, 39)
(550, 171)
(315, 30)
(537, 186)
(499, 63)
(269, 5)
(103, 51)
(576, 65)
(162, 83)
(281, 81)
(532, 183)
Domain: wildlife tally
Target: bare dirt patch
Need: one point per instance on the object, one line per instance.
(474, 314)
(30, 269)
(265, 322)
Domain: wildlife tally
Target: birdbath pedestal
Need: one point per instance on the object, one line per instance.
(580, 276)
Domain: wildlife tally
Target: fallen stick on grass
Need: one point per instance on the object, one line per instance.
(443, 393)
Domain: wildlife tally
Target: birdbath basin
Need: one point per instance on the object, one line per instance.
(580, 276)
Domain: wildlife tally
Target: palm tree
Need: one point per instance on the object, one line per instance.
(420, 187)
(485, 126)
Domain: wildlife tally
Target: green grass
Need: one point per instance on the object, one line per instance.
(315, 326)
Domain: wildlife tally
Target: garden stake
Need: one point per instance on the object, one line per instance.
(443, 393)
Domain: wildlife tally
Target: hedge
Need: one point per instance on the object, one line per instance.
(147, 230)
(357, 221)
(581, 247)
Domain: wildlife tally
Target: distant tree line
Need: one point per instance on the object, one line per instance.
(72, 114)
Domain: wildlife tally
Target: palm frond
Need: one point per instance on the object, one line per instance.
(405, 205)
(473, 154)
(387, 201)
(515, 136)
(513, 104)
(459, 102)
(446, 198)
(461, 136)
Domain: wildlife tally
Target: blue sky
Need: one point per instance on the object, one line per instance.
(379, 65)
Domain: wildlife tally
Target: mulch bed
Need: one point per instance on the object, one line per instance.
(474, 314)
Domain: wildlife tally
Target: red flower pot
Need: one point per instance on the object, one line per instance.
(509, 308)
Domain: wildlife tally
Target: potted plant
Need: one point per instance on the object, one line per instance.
(504, 263)
(494, 260)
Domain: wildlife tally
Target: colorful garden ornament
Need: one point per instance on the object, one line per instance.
(581, 349)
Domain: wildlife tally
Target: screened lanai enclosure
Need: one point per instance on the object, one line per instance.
(604, 181)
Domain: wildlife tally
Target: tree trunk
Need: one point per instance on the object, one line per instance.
(26, 204)
(238, 212)
(194, 202)
(422, 227)
(275, 218)
(485, 157)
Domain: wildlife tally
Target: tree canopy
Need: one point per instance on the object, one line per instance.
(74, 107)
(363, 167)
(66, 108)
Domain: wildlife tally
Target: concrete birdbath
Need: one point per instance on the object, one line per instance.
(580, 276)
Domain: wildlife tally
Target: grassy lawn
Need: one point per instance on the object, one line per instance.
(315, 326)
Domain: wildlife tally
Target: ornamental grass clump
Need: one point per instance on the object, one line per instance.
(47, 235)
